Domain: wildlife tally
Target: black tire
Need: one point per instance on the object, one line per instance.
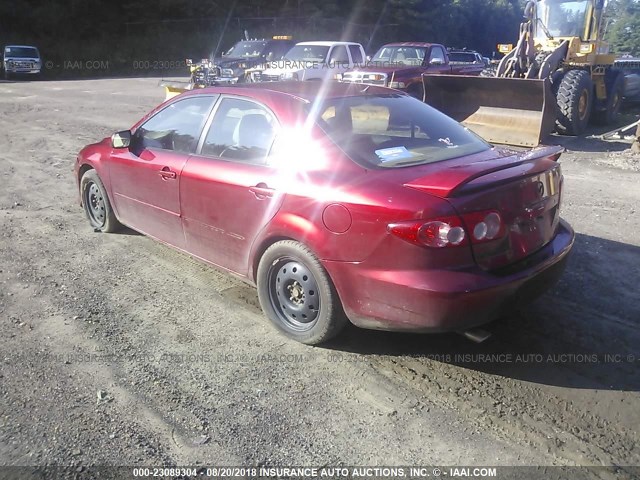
(614, 101)
(297, 294)
(96, 203)
(574, 98)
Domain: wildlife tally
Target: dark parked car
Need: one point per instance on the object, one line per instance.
(339, 201)
(233, 65)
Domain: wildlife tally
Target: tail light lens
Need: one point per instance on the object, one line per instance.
(437, 233)
(476, 227)
(484, 226)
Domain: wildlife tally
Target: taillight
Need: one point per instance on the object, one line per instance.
(437, 233)
(484, 226)
(477, 227)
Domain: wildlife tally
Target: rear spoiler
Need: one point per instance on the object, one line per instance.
(449, 181)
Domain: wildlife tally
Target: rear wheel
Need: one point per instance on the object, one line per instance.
(96, 203)
(297, 294)
(574, 98)
(614, 102)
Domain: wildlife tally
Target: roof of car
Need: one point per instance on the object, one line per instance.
(327, 43)
(409, 44)
(308, 91)
(20, 46)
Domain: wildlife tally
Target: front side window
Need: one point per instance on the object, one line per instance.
(393, 130)
(339, 54)
(176, 127)
(437, 56)
(241, 130)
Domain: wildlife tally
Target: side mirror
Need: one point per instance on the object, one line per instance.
(121, 139)
(436, 61)
(368, 58)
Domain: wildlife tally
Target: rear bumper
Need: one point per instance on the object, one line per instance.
(444, 300)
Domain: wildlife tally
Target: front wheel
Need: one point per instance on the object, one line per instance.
(96, 203)
(574, 98)
(297, 294)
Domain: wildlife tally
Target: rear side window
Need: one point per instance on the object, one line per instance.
(356, 54)
(176, 127)
(241, 130)
(394, 130)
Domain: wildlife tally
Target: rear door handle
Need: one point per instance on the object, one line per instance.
(166, 173)
(261, 191)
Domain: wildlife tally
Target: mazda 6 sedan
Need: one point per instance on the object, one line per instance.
(340, 202)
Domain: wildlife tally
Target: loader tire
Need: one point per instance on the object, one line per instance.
(574, 98)
(614, 101)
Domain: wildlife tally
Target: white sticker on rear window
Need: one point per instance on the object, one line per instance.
(394, 153)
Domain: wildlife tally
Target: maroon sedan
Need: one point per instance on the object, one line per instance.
(340, 202)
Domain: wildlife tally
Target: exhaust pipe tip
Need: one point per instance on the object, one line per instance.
(477, 335)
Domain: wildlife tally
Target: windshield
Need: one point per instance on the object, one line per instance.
(400, 55)
(394, 130)
(563, 18)
(21, 52)
(309, 53)
(247, 49)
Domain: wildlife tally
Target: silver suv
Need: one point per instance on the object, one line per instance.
(21, 59)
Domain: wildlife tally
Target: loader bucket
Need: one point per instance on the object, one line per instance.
(509, 111)
(171, 89)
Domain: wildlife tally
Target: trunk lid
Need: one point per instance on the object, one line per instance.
(525, 190)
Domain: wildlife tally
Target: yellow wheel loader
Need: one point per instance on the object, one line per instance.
(558, 76)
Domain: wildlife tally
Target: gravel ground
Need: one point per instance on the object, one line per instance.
(117, 350)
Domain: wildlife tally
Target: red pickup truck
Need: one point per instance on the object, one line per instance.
(401, 65)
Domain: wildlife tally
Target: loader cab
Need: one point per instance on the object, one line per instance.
(568, 19)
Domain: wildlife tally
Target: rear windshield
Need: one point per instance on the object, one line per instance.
(21, 52)
(394, 130)
(462, 57)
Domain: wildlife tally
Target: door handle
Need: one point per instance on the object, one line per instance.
(262, 191)
(167, 174)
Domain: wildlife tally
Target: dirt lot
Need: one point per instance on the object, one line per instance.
(116, 350)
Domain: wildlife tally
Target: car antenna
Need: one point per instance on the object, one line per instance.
(365, 89)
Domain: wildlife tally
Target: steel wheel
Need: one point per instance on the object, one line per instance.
(96, 203)
(294, 294)
(297, 294)
(96, 207)
(583, 105)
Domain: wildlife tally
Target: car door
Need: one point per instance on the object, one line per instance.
(228, 193)
(145, 178)
(437, 60)
(339, 60)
